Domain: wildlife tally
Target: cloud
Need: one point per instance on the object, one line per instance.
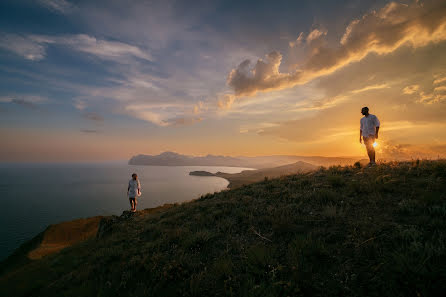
(5, 99)
(80, 104)
(102, 48)
(200, 107)
(182, 121)
(411, 89)
(315, 34)
(33, 47)
(331, 101)
(348, 31)
(380, 32)
(93, 116)
(147, 114)
(440, 80)
(298, 40)
(60, 6)
(89, 131)
(431, 98)
(225, 101)
(440, 89)
(160, 101)
(370, 88)
(438, 93)
(22, 46)
(29, 101)
(160, 116)
(24, 103)
(265, 76)
(257, 128)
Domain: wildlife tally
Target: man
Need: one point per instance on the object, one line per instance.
(133, 191)
(369, 132)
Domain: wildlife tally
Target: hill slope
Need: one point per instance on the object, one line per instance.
(251, 176)
(348, 231)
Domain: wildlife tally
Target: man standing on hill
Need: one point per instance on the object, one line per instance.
(133, 191)
(369, 132)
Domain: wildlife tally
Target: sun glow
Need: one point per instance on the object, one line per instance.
(375, 144)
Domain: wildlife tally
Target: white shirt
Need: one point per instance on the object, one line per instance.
(368, 125)
(134, 185)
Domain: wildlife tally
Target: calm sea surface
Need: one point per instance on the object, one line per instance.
(36, 195)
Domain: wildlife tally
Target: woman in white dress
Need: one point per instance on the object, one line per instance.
(133, 191)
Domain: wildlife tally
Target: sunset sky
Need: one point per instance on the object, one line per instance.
(105, 80)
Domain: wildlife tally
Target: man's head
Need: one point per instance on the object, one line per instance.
(365, 110)
(134, 176)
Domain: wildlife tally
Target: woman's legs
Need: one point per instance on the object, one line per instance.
(132, 203)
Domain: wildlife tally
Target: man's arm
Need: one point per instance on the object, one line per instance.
(360, 131)
(377, 124)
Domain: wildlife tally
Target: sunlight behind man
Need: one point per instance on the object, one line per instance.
(375, 144)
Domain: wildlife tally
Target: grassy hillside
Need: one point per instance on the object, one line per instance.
(348, 231)
(251, 176)
(53, 239)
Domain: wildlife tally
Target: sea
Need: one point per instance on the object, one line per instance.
(35, 195)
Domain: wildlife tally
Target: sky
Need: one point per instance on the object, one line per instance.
(106, 80)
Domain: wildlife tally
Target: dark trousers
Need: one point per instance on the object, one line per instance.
(368, 141)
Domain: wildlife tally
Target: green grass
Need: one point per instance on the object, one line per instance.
(342, 231)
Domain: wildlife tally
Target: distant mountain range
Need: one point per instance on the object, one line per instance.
(175, 159)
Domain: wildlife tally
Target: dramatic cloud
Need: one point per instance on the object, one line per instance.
(264, 76)
(380, 32)
(60, 6)
(33, 47)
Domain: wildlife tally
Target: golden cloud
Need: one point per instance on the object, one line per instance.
(436, 95)
(380, 32)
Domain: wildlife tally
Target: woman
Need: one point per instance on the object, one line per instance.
(133, 191)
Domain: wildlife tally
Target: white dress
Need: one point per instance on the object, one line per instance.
(134, 186)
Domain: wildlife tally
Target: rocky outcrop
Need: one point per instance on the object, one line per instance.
(201, 173)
